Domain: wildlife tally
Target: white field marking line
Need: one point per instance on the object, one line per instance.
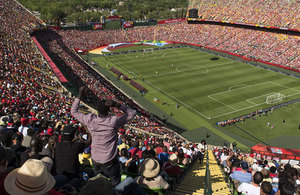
(236, 85)
(247, 108)
(268, 94)
(284, 86)
(222, 103)
(129, 71)
(238, 88)
(184, 71)
(182, 103)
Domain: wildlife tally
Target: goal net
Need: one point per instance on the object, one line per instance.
(149, 50)
(275, 98)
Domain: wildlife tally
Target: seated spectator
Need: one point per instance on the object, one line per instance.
(150, 175)
(27, 138)
(135, 150)
(123, 145)
(85, 158)
(123, 158)
(172, 167)
(250, 188)
(31, 178)
(243, 175)
(265, 188)
(66, 155)
(3, 166)
(36, 146)
(159, 149)
(266, 175)
(164, 156)
(17, 139)
(181, 159)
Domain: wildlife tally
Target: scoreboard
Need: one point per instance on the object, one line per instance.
(113, 22)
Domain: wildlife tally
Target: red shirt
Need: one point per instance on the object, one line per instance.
(158, 150)
(171, 169)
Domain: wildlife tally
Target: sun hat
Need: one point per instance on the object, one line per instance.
(173, 159)
(30, 179)
(149, 168)
(48, 162)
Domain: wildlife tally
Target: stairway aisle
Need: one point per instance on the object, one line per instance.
(193, 182)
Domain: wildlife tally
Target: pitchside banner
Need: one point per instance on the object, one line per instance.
(128, 24)
(171, 21)
(97, 25)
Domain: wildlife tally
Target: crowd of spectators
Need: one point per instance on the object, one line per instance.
(277, 48)
(250, 174)
(284, 14)
(43, 148)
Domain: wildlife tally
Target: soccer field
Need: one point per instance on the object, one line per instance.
(213, 87)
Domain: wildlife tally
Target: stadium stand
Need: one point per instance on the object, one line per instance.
(36, 113)
(267, 175)
(254, 44)
(255, 12)
(30, 111)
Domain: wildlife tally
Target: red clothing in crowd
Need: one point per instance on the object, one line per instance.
(172, 169)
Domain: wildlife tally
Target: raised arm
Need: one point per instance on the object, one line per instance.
(83, 118)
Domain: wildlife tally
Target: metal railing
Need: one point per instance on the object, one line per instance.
(207, 187)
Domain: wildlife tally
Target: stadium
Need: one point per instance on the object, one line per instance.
(205, 104)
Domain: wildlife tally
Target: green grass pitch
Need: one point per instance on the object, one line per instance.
(207, 87)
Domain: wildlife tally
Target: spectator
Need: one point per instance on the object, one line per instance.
(150, 169)
(123, 158)
(265, 188)
(250, 189)
(27, 138)
(172, 167)
(31, 178)
(164, 156)
(135, 150)
(3, 166)
(66, 155)
(17, 148)
(103, 129)
(181, 159)
(243, 175)
(36, 146)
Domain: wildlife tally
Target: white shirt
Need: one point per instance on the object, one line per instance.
(249, 189)
(23, 130)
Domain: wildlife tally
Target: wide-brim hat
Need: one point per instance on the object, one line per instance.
(173, 159)
(30, 179)
(149, 168)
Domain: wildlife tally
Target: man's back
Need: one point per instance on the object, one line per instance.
(103, 131)
(66, 156)
(243, 177)
(249, 189)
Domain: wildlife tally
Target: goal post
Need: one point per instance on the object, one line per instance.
(275, 98)
(149, 50)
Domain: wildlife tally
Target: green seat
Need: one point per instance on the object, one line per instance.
(123, 176)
